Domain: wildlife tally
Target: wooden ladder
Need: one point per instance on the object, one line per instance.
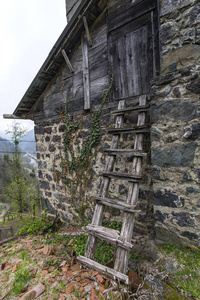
(95, 230)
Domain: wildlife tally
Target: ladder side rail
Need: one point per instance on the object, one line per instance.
(122, 255)
(99, 208)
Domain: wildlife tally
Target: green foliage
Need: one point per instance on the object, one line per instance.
(82, 157)
(33, 225)
(77, 160)
(24, 255)
(188, 276)
(22, 277)
(22, 188)
(113, 225)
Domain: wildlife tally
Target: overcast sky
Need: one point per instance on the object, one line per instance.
(28, 31)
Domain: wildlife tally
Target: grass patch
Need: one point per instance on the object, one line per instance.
(22, 277)
(187, 277)
(24, 255)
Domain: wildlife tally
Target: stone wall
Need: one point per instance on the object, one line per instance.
(56, 195)
(175, 134)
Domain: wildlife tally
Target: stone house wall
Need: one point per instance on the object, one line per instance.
(49, 131)
(169, 193)
(175, 133)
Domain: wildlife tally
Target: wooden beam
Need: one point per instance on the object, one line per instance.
(86, 83)
(67, 61)
(87, 31)
(10, 116)
(95, 265)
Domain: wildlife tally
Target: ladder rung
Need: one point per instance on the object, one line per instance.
(127, 152)
(123, 176)
(136, 129)
(95, 265)
(116, 203)
(110, 235)
(138, 108)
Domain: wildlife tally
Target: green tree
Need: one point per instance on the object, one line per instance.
(17, 190)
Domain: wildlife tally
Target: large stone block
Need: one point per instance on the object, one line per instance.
(184, 219)
(174, 109)
(181, 155)
(168, 198)
(190, 235)
(184, 56)
(45, 185)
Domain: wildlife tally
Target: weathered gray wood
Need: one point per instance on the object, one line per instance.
(122, 176)
(129, 11)
(109, 235)
(67, 61)
(10, 116)
(108, 271)
(99, 208)
(126, 152)
(121, 262)
(138, 129)
(143, 108)
(132, 26)
(117, 203)
(87, 31)
(86, 82)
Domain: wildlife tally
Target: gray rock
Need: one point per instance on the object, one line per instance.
(159, 216)
(168, 198)
(190, 235)
(155, 133)
(184, 219)
(167, 32)
(172, 266)
(176, 109)
(42, 165)
(192, 132)
(44, 185)
(181, 155)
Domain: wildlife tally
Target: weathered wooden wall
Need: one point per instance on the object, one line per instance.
(123, 42)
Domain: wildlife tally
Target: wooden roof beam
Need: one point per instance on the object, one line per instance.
(87, 31)
(66, 58)
(10, 116)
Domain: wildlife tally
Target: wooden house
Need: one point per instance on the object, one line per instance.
(152, 54)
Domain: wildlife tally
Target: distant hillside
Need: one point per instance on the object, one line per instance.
(5, 146)
(28, 142)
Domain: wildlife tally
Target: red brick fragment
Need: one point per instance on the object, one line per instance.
(75, 267)
(44, 273)
(134, 279)
(95, 273)
(69, 289)
(94, 295)
(14, 268)
(100, 278)
(101, 289)
(34, 292)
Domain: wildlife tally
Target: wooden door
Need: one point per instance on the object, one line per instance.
(132, 49)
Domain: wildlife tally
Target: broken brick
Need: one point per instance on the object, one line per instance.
(84, 275)
(75, 267)
(101, 289)
(100, 278)
(14, 268)
(70, 289)
(134, 280)
(44, 273)
(34, 292)
(94, 295)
